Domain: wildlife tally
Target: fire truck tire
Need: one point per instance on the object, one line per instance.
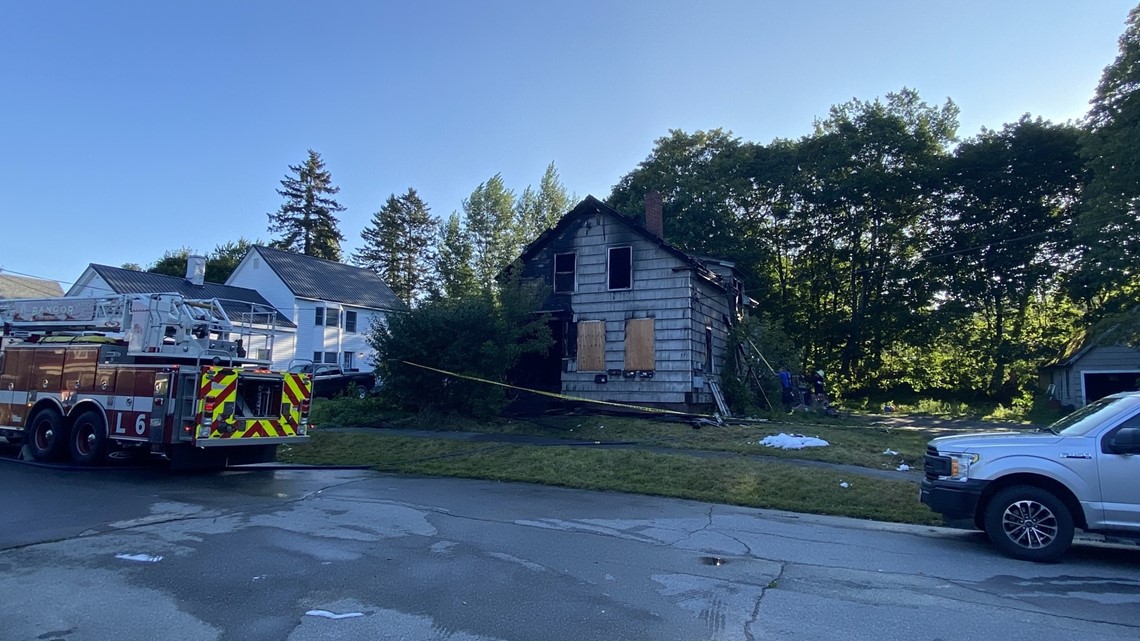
(46, 436)
(88, 439)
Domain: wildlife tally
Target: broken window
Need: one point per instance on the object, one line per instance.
(709, 350)
(564, 272)
(639, 345)
(621, 267)
(569, 336)
(591, 346)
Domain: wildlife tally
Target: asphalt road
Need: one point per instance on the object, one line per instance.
(246, 556)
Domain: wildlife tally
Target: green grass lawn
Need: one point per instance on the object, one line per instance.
(744, 480)
(854, 441)
(737, 481)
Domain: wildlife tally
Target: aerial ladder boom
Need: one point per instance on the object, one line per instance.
(150, 324)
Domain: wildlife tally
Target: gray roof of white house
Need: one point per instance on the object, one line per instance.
(235, 300)
(320, 279)
(12, 286)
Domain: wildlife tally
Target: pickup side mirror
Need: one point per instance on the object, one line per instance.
(1126, 440)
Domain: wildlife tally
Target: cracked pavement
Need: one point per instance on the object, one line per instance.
(260, 555)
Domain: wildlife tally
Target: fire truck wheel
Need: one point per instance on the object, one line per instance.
(88, 439)
(45, 435)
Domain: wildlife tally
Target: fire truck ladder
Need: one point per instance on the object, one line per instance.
(150, 324)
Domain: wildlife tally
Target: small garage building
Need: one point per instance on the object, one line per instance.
(1092, 369)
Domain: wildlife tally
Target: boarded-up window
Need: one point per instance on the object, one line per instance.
(621, 268)
(639, 345)
(591, 346)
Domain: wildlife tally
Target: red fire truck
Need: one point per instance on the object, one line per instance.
(156, 373)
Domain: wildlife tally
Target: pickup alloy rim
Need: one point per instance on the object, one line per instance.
(1029, 524)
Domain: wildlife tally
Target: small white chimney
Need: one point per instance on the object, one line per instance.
(196, 269)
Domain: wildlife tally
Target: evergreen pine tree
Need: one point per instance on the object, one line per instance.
(307, 218)
(398, 245)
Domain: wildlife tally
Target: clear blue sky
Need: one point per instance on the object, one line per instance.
(131, 128)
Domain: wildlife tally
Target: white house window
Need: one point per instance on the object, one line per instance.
(330, 357)
(332, 318)
(349, 323)
(319, 317)
(564, 265)
(348, 358)
(317, 357)
(621, 267)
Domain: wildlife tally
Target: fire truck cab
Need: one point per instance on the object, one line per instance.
(159, 374)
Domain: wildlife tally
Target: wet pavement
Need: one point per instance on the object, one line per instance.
(317, 554)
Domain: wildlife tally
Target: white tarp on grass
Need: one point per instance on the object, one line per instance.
(793, 441)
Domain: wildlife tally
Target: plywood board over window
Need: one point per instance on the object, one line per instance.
(591, 346)
(639, 344)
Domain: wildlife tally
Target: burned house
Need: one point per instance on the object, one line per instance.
(635, 320)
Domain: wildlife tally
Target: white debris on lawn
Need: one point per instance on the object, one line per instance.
(903, 467)
(890, 452)
(844, 484)
(332, 615)
(793, 441)
(141, 558)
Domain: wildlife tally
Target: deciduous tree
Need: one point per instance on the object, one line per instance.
(490, 225)
(454, 261)
(1108, 226)
(537, 211)
(1004, 237)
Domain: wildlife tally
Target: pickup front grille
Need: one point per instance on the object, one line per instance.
(934, 465)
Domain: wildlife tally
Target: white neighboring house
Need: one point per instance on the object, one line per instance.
(333, 305)
(104, 280)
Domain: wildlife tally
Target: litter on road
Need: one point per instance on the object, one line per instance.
(142, 558)
(333, 615)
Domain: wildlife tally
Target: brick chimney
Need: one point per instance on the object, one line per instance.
(654, 217)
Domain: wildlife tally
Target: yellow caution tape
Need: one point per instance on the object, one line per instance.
(642, 408)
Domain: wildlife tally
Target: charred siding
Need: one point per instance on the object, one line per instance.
(668, 287)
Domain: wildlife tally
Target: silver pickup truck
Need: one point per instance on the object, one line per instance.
(1029, 490)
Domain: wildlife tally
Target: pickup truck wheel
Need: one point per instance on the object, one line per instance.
(1029, 523)
(361, 392)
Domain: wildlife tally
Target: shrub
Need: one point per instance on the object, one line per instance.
(468, 338)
